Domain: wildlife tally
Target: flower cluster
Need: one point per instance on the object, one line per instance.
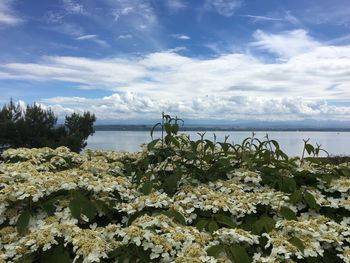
(91, 207)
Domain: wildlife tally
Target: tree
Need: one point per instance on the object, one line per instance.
(78, 129)
(11, 118)
(35, 127)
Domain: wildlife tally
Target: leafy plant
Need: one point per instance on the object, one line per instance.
(178, 200)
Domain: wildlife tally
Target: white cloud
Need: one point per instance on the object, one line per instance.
(129, 105)
(177, 49)
(321, 12)
(137, 18)
(175, 5)
(292, 19)
(67, 28)
(262, 18)
(286, 44)
(140, 11)
(93, 38)
(58, 22)
(8, 15)
(224, 7)
(181, 37)
(85, 37)
(68, 7)
(309, 73)
(127, 36)
(72, 7)
(286, 17)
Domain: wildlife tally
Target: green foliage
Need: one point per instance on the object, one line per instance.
(147, 187)
(224, 220)
(35, 127)
(176, 215)
(80, 204)
(214, 251)
(239, 254)
(310, 200)
(56, 255)
(23, 221)
(288, 213)
(235, 252)
(297, 242)
(131, 253)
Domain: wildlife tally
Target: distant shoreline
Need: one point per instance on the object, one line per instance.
(216, 128)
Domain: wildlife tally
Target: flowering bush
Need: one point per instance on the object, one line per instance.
(177, 200)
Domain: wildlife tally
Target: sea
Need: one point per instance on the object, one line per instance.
(291, 142)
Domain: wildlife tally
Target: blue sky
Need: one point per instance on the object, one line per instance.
(209, 59)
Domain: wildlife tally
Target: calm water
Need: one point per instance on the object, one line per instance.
(336, 143)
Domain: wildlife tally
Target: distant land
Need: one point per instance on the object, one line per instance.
(192, 125)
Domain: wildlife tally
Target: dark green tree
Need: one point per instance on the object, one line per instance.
(11, 118)
(78, 129)
(36, 127)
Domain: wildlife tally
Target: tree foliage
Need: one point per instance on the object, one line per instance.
(35, 127)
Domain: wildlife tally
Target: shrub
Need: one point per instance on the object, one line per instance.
(177, 200)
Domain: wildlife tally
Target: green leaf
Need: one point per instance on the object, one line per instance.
(80, 204)
(49, 207)
(147, 187)
(240, 254)
(281, 153)
(331, 257)
(213, 226)
(89, 209)
(287, 213)
(345, 171)
(287, 184)
(310, 200)
(179, 217)
(56, 255)
(269, 223)
(297, 243)
(208, 144)
(175, 128)
(214, 251)
(264, 223)
(313, 260)
(167, 139)
(167, 117)
(75, 208)
(309, 148)
(151, 145)
(142, 255)
(104, 208)
(175, 141)
(225, 220)
(25, 259)
(296, 197)
(22, 222)
(115, 253)
(201, 224)
(275, 143)
(168, 128)
(175, 215)
(170, 183)
(258, 227)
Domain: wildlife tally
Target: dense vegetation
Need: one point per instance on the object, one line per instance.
(177, 200)
(36, 127)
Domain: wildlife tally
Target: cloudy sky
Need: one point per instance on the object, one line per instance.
(208, 59)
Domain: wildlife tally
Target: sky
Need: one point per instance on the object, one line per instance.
(201, 59)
